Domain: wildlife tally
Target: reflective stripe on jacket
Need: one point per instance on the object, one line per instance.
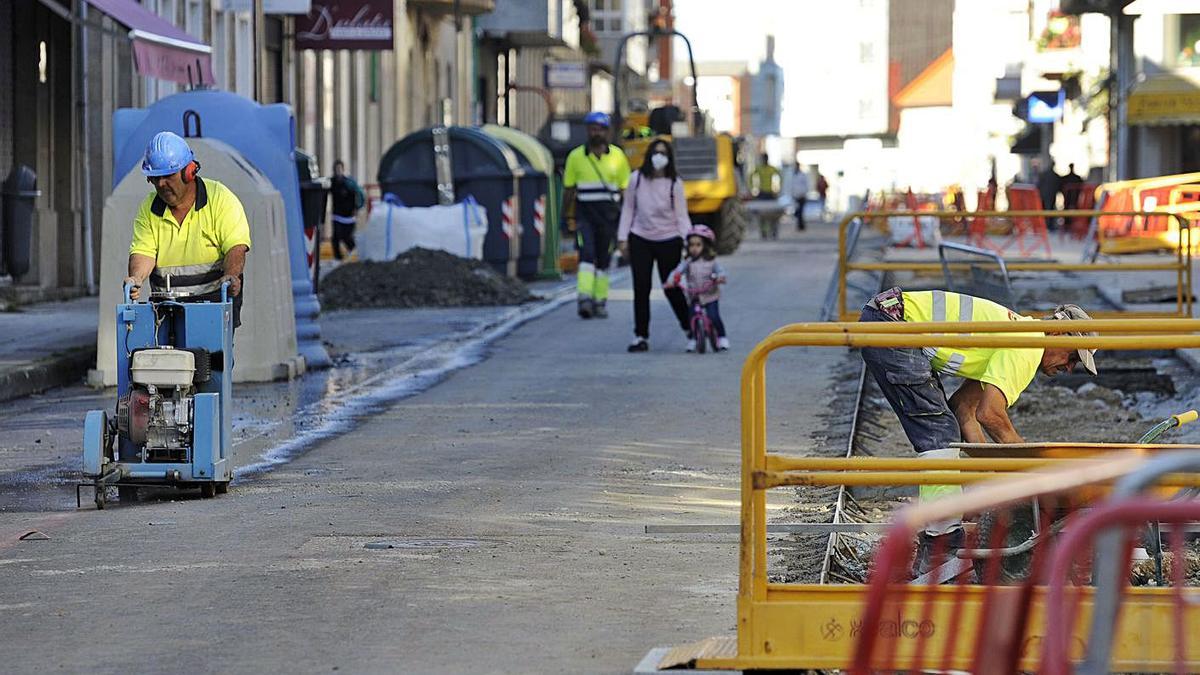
(1009, 369)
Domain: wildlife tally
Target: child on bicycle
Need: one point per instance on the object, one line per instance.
(702, 275)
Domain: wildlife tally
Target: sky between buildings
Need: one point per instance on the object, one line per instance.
(812, 56)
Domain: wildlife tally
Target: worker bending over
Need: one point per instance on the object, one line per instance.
(595, 175)
(190, 230)
(993, 379)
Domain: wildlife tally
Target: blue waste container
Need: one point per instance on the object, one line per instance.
(481, 166)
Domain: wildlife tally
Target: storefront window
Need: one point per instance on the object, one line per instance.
(1189, 40)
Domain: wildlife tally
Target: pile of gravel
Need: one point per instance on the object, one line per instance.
(420, 277)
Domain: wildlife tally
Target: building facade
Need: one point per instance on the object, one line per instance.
(532, 66)
(1164, 106)
(67, 65)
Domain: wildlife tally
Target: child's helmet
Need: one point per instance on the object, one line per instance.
(704, 232)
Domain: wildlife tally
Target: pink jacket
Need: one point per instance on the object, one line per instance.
(650, 211)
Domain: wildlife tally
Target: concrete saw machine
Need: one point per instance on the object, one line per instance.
(171, 424)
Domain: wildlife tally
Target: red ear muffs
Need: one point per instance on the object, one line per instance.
(189, 172)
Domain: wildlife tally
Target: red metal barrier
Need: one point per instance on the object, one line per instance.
(1028, 611)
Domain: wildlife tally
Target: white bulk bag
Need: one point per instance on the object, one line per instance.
(901, 230)
(394, 228)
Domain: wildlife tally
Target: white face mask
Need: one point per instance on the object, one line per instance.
(659, 161)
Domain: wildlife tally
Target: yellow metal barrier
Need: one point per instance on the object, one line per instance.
(811, 626)
(1182, 266)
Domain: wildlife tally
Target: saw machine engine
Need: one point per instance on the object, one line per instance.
(156, 414)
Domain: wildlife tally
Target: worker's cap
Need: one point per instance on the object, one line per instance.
(1075, 313)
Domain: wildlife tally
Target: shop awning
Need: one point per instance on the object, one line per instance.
(1166, 98)
(160, 48)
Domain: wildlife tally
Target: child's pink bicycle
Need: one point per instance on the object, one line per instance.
(703, 330)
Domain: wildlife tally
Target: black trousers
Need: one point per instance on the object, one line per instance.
(643, 255)
(594, 239)
(342, 233)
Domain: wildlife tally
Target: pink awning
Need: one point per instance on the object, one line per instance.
(160, 48)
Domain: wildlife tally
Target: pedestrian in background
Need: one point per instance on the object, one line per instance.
(348, 198)
(822, 192)
(654, 222)
(1048, 185)
(1070, 185)
(593, 178)
(800, 194)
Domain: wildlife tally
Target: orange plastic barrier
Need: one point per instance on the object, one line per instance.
(1082, 197)
(1178, 193)
(977, 227)
(1029, 232)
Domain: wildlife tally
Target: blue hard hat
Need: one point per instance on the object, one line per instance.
(166, 154)
(597, 117)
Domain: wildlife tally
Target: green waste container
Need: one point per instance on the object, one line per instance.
(542, 161)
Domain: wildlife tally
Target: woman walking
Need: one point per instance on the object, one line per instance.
(654, 222)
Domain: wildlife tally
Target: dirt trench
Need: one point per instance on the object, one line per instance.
(1134, 391)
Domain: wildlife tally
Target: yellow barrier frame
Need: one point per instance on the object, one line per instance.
(1182, 265)
(812, 626)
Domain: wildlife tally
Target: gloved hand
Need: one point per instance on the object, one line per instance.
(135, 283)
(235, 285)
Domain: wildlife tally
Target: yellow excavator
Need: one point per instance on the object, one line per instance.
(711, 165)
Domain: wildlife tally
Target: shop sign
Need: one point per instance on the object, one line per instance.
(1150, 108)
(346, 24)
(566, 75)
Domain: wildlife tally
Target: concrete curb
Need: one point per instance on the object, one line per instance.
(71, 367)
(55, 371)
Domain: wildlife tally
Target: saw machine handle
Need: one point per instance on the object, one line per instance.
(1185, 418)
(1166, 425)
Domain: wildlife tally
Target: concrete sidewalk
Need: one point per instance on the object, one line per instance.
(49, 345)
(46, 345)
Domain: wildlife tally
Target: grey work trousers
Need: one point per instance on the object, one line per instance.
(914, 391)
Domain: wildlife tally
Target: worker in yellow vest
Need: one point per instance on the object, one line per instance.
(595, 175)
(993, 379)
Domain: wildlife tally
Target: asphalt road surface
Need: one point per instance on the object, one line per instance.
(513, 495)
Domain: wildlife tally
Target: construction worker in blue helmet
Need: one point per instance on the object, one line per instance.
(595, 175)
(190, 233)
